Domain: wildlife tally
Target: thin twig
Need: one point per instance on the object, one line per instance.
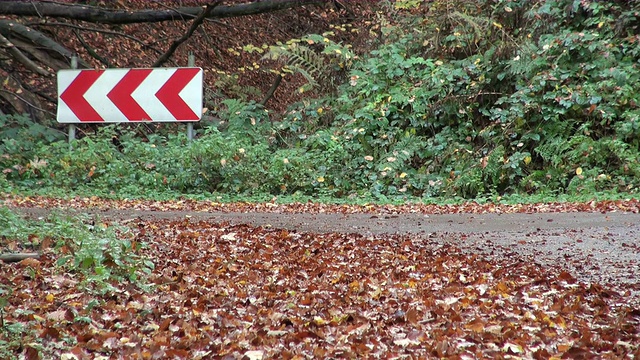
(194, 25)
(272, 90)
(37, 11)
(183, 14)
(42, 95)
(27, 102)
(91, 51)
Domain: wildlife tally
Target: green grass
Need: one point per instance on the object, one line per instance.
(509, 199)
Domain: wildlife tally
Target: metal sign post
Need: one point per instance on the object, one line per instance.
(72, 127)
(191, 63)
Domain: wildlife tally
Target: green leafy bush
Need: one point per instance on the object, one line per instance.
(477, 103)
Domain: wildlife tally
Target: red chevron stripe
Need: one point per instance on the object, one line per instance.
(169, 94)
(73, 96)
(121, 97)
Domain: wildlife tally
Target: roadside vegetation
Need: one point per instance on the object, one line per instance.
(452, 99)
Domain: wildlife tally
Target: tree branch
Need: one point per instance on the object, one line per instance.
(6, 94)
(18, 257)
(22, 58)
(272, 90)
(43, 57)
(110, 16)
(194, 25)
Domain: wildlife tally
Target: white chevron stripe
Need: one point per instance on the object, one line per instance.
(97, 95)
(145, 94)
(192, 94)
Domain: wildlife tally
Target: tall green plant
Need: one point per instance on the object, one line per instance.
(318, 58)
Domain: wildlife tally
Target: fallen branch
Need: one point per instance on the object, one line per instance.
(39, 55)
(104, 31)
(10, 27)
(22, 58)
(91, 51)
(6, 94)
(17, 257)
(111, 16)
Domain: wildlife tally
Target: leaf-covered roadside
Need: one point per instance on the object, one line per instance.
(631, 205)
(233, 291)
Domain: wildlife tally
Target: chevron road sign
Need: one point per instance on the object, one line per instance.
(126, 95)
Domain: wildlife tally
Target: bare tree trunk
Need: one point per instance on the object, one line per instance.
(109, 16)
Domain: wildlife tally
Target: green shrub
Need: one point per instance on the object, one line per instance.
(100, 253)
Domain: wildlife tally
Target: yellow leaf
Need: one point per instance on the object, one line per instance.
(337, 279)
(502, 287)
(527, 160)
(49, 297)
(498, 25)
(559, 321)
(578, 171)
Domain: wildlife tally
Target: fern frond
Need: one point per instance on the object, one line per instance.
(311, 79)
(303, 57)
(303, 60)
(477, 23)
